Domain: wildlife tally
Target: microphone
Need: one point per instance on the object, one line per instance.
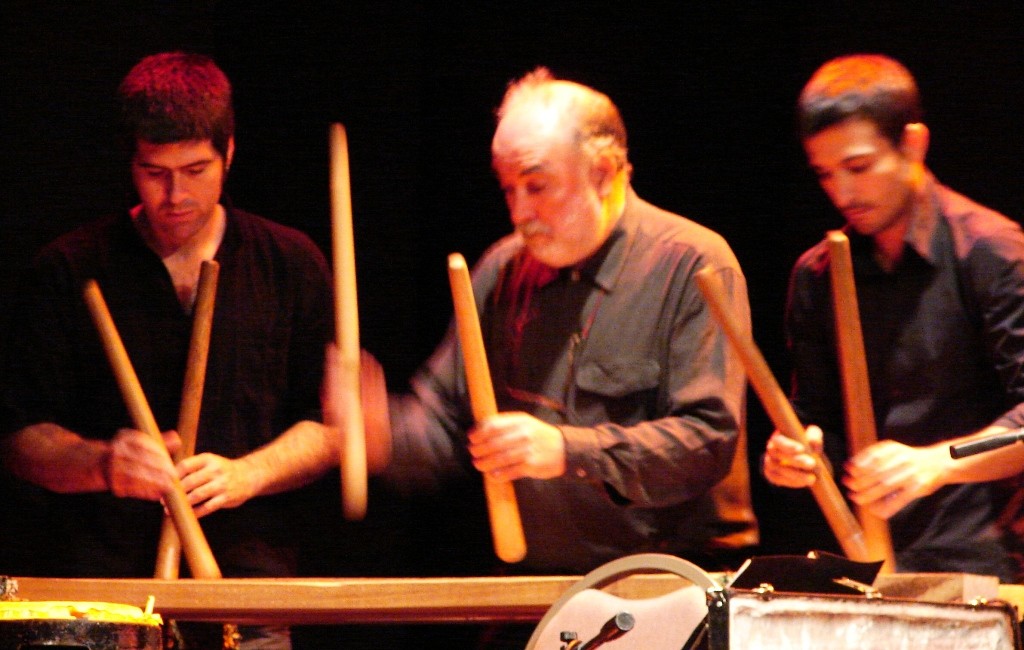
(615, 627)
(986, 444)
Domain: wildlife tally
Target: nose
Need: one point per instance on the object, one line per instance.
(520, 209)
(842, 190)
(175, 189)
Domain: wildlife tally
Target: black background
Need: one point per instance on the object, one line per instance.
(706, 91)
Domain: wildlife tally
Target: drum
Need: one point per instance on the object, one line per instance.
(587, 617)
(52, 625)
(741, 619)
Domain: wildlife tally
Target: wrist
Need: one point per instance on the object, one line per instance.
(249, 472)
(100, 457)
(943, 464)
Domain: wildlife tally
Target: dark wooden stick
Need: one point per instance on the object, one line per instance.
(853, 370)
(197, 549)
(168, 555)
(844, 525)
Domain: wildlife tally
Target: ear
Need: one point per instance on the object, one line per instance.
(602, 174)
(914, 143)
(230, 153)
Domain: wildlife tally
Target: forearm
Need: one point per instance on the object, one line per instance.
(423, 454)
(987, 466)
(57, 459)
(296, 458)
(655, 463)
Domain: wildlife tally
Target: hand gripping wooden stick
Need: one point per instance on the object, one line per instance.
(844, 525)
(853, 369)
(197, 550)
(168, 554)
(506, 526)
(346, 313)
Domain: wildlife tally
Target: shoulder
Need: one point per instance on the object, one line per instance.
(260, 230)
(664, 233)
(271, 243)
(987, 247)
(278, 254)
(85, 246)
(812, 262)
(500, 253)
(975, 228)
(88, 236)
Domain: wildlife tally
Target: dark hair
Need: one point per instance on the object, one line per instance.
(596, 120)
(174, 97)
(870, 86)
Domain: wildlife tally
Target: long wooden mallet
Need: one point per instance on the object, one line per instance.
(197, 549)
(352, 460)
(168, 554)
(506, 525)
(842, 522)
(853, 370)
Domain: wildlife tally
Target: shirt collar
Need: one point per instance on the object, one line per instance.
(924, 220)
(920, 235)
(604, 266)
(229, 242)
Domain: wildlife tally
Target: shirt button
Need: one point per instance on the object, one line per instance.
(581, 473)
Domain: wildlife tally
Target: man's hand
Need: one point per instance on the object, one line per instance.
(374, 403)
(139, 467)
(787, 463)
(888, 475)
(508, 446)
(213, 482)
(883, 478)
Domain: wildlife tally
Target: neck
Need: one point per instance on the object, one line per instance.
(891, 242)
(183, 260)
(615, 202)
(889, 246)
(202, 244)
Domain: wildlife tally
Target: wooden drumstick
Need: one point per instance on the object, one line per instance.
(506, 525)
(346, 313)
(168, 555)
(844, 525)
(197, 550)
(853, 369)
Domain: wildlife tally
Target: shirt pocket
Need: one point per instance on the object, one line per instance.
(617, 390)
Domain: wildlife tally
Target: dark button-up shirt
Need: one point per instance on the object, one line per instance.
(622, 354)
(269, 329)
(944, 339)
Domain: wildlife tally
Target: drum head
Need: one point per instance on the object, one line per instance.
(59, 625)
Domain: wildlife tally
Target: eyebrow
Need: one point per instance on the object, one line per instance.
(150, 165)
(534, 169)
(852, 157)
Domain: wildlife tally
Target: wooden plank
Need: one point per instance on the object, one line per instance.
(338, 600)
(359, 600)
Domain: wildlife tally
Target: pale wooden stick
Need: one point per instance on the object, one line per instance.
(853, 369)
(844, 525)
(197, 550)
(168, 554)
(346, 313)
(506, 525)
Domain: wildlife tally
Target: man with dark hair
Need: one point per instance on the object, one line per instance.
(174, 97)
(65, 426)
(940, 285)
(621, 405)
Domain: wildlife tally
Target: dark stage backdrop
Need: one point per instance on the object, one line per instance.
(706, 90)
